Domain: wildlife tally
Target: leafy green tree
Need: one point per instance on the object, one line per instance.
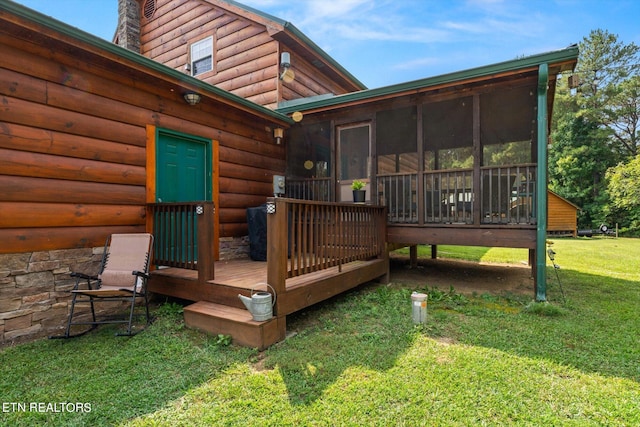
(624, 192)
(578, 161)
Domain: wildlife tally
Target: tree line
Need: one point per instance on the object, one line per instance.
(594, 158)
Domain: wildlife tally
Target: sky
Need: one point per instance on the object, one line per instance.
(385, 42)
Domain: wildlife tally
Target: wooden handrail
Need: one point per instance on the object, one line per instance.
(309, 236)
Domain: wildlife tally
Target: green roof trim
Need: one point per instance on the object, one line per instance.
(83, 36)
(567, 54)
(306, 40)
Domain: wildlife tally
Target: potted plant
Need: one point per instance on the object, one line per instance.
(359, 193)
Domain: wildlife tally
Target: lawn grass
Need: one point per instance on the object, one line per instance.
(358, 360)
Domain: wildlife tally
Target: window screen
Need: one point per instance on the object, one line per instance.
(448, 134)
(508, 125)
(397, 140)
(202, 56)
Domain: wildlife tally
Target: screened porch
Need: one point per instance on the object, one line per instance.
(466, 157)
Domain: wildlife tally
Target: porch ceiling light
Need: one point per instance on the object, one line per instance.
(192, 98)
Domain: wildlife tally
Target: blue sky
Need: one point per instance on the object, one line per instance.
(383, 42)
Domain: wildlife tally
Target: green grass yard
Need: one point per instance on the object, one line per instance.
(358, 360)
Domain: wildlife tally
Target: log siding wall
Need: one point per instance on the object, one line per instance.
(73, 147)
(245, 55)
(561, 216)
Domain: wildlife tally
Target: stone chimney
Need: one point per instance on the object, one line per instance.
(128, 35)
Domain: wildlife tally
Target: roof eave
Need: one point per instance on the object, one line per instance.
(560, 60)
(279, 25)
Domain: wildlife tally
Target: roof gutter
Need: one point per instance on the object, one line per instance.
(541, 185)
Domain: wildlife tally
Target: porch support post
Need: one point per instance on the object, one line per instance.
(541, 185)
(277, 247)
(206, 243)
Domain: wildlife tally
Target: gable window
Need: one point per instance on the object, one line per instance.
(202, 56)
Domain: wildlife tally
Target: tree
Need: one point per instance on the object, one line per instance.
(608, 92)
(596, 126)
(623, 116)
(624, 192)
(578, 161)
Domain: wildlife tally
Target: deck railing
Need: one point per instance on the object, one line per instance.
(399, 193)
(508, 194)
(183, 236)
(320, 189)
(504, 195)
(449, 196)
(309, 236)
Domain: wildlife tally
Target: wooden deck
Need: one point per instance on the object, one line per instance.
(217, 308)
(315, 250)
(243, 275)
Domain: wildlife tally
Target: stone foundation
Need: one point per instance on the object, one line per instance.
(234, 248)
(34, 287)
(34, 297)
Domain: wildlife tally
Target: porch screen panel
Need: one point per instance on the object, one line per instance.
(398, 162)
(508, 129)
(309, 162)
(448, 161)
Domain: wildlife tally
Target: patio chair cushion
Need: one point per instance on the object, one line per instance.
(118, 279)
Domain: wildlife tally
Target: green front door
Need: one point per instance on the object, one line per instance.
(183, 174)
(183, 168)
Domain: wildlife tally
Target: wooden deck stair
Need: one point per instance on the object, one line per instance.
(218, 309)
(236, 322)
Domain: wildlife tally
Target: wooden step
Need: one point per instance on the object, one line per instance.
(222, 319)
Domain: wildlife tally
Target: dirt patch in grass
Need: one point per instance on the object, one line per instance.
(465, 276)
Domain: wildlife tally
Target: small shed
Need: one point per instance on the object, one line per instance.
(562, 215)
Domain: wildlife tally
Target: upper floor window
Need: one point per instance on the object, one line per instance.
(202, 56)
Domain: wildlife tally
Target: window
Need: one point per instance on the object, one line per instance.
(202, 56)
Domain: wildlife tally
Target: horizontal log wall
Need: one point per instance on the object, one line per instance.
(561, 216)
(73, 147)
(246, 57)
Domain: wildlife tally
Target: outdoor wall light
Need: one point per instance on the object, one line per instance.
(278, 134)
(285, 64)
(192, 98)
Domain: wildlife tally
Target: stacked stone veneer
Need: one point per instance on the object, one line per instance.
(34, 287)
(34, 290)
(234, 247)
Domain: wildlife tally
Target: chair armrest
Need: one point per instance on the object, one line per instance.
(83, 276)
(141, 274)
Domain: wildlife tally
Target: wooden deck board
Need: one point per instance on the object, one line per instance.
(246, 274)
(240, 273)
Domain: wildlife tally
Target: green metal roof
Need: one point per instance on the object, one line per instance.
(300, 35)
(82, 36)
(568, 54)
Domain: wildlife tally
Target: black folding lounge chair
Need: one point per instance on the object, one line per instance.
(123, 276)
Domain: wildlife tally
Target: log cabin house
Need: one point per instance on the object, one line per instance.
(187, 125)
